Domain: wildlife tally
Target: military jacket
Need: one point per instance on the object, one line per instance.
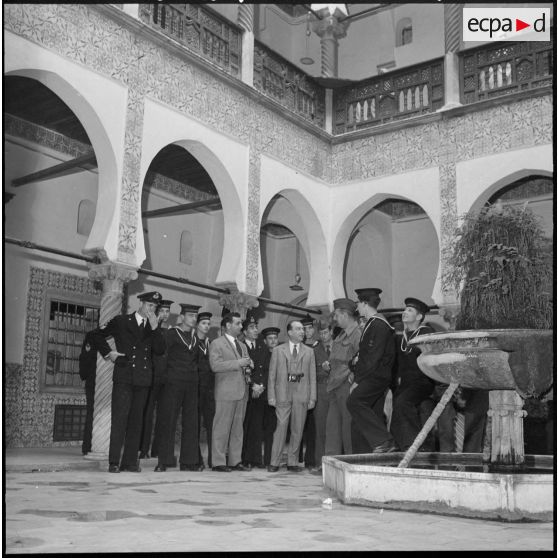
(345, 347)
(88, 357)
(138, 346)
(407, 367)
(376, 351)
(261, 358)
(205, 375)
(160, 362)
(321, 356)
(183, 356)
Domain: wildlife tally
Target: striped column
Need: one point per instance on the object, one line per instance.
(113, 277)
(246, 22)
(330, 30)
(452, 27)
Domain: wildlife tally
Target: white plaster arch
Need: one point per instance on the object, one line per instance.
(227, 163)
(348, 226)
(100, 105)
(299, 216)
(478, 179)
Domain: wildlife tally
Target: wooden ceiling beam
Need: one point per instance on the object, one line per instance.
(181, 208)
(56, 170)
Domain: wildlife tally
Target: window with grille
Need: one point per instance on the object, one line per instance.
(69, 422)
(66, 322)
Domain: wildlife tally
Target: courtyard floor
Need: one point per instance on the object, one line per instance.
(58, 502)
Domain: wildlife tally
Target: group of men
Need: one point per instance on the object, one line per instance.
(324, 393)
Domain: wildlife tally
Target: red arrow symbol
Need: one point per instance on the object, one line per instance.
(519, 25)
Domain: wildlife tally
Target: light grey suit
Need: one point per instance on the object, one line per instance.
(231, 395)
(291, 398)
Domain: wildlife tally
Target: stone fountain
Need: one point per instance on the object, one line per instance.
(507, 485)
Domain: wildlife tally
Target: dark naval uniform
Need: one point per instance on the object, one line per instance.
(132, 377)
(88, 373)
(206, 396)
(154, 402)
(372, 374)
(413, 387)
(260, 419)
(180, 392)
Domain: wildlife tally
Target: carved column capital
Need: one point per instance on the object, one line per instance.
(113, 271)
(238, 302)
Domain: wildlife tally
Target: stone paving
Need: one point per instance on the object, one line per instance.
(90, 510)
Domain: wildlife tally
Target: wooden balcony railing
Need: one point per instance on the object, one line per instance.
(392, 96)
(277, 78)
(200, 29)
(502, 68)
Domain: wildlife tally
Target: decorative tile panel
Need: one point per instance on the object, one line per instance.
(30, 413)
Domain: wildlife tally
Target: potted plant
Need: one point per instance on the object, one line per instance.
(501, 267)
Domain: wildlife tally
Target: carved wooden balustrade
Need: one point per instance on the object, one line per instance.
(276, 77)
(388, 97)
(200, 29)
(502, 68)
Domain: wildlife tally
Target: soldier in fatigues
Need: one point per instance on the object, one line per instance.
(159, 376)
(136, 336)
(372, 378)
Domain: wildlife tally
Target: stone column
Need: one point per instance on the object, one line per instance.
(237, 301)
(506, 413)
(246, 21)
(452, 27)
(329, 111)
(113, 276)
(330, 30)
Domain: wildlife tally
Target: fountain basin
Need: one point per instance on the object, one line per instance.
(428, 486)
(491, 359)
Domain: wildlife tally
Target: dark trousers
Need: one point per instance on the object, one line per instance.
(206, 405)
(174, 398)
(366, 405)
(260, 422)
(127, 406)
(88, 428)
(152, 402)
(405, 418)
(476, 407)
(308, 442)
(320, 419)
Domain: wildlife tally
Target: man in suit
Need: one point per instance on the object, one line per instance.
(291, 389)
(159, 377)
(372, 378)
(136, 337)
(206, 393)
(88, 373)
(229, 360)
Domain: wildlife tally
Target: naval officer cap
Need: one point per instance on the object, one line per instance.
(152, 296)
(165, 303)
(248, 322)
(345, 304)
(307, 320)
(417, 304)
(270, 331)
(190, 308)
(204, 316)
(370, 295)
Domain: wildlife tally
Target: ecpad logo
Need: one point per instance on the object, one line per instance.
(506, 24)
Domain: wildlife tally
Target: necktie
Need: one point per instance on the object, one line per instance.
(238, 347)
(295, 352)
(142, 325)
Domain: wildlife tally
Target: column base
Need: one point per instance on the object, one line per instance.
(449, 106)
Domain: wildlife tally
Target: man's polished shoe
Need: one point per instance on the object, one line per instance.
(114, 469)
(160, 468)
(272, 468)
(386, 447)
(241, 467)
(131, 469)
(294, 468)
(143, 455)
(221, 469)
(191, 467)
